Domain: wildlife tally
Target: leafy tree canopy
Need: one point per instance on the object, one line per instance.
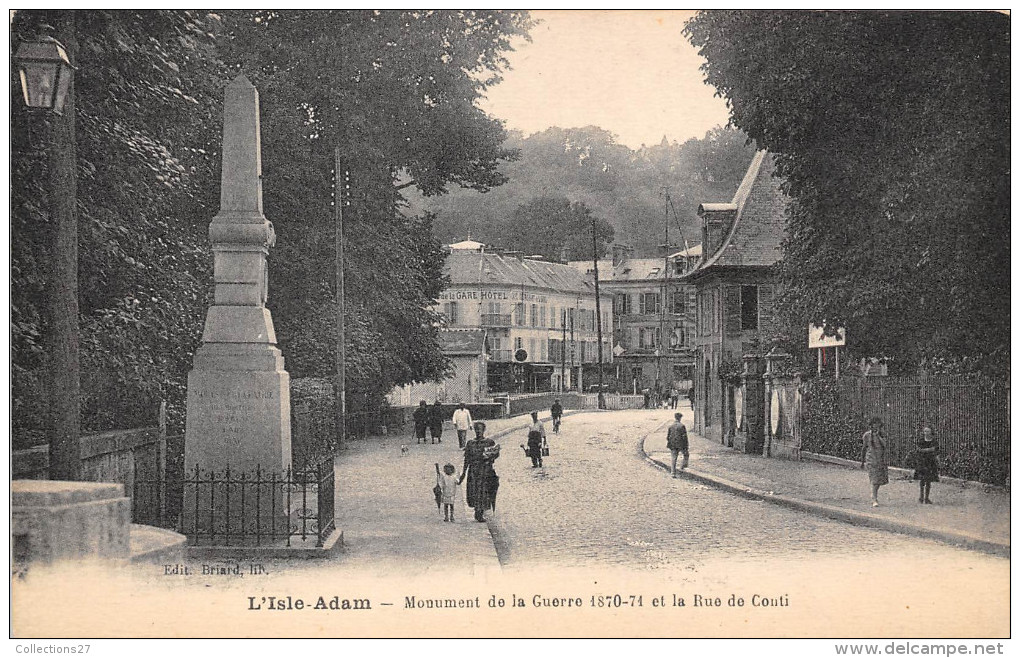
(891, 132)
(396, 92)
(147, 114)
(553, 227)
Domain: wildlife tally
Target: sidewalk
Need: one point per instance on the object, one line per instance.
(387, 512)
(974, 516)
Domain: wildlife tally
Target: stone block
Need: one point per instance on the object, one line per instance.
(239, 324)
(55, 520)
(239, 419)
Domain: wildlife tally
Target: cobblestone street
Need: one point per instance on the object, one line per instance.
(597, 507)
(596, 500)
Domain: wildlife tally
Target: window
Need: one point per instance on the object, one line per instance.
(679, 305)
(451, 313)
(749, 308)
(651, 303)
(495, 308)
(518, 343)
(534, 315)
(532, 355)
(623, 305)
(680, 338)
(541, 316)
(519, 315)
(636, 374)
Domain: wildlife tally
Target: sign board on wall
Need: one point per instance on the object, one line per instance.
(817, 339)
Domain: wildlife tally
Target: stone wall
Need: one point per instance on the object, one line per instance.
(124, 457)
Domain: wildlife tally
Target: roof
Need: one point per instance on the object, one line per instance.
(455, 342)
(586, 266)
(469, 245)
(474, 268)
(692, 252)
(716, 207)
(636, 269)
(756, 235)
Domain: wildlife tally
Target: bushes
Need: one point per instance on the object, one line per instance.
(830, 426)
(312, 421)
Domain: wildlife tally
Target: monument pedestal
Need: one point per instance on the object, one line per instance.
(238, 418)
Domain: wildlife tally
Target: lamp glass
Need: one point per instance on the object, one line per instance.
(63, 85)
(39, 83)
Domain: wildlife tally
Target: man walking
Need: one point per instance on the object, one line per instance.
(676, 441)
(462, 421)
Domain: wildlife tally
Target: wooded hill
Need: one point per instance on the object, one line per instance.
(619, 185)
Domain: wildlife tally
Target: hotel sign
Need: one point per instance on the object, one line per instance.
(490, 295)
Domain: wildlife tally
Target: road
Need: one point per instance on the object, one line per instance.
(596, 521)
(596, 506)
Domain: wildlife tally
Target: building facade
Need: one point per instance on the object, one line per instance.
(539, 318)
(735, 288)
(653, 319)
(468, 355)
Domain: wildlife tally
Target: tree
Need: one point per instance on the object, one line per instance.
(622, 185)
(554, 227)
(146, 98)
(888, 129)
(396, 92)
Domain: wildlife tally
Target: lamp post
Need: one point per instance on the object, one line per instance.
(47, 82)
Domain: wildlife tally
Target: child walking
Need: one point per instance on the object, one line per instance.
(927, 470)
(450, 486)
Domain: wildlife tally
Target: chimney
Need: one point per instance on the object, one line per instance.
(621, 252)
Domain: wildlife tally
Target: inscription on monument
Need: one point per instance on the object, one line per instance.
(228, 414)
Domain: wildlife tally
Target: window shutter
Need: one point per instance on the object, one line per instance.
(641, 304)
(731, 310)
(766, 308)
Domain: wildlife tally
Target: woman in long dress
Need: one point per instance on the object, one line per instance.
(874, 456)
(479, 454)
(927, 467)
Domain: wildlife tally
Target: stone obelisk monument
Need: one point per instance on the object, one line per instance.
(238, 391)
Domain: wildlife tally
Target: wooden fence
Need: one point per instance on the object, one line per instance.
(968, 417)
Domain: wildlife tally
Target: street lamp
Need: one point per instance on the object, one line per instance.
(47, 82)
(45, 74)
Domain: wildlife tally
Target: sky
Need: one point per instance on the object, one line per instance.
(630, 72)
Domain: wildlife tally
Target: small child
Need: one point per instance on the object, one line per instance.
(450, 485)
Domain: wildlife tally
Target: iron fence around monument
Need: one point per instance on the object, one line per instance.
(249, 508)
